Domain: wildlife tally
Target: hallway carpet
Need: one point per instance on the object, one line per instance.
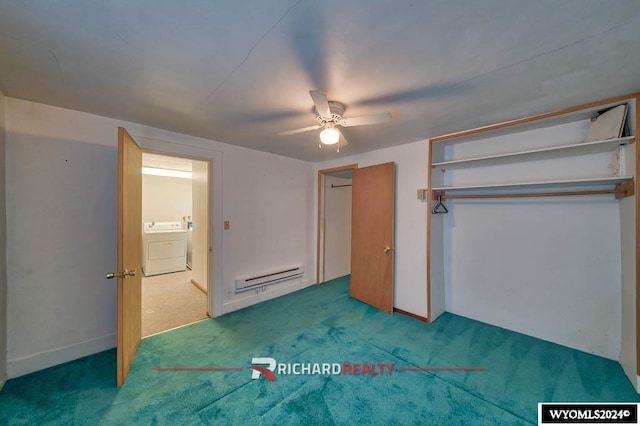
(320, 324)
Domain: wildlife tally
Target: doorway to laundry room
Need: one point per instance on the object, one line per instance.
(175, 240)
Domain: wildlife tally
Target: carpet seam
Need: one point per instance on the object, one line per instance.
(223, 396)
(452, 384)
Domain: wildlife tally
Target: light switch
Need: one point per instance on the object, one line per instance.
(226, 225)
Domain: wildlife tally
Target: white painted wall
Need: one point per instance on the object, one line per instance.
(165, 199)
(337, 214)
(268, 201)
(200, 244)
(61, 226)
(546, 267)
(61, 230)
(410, 293)
(3, 249)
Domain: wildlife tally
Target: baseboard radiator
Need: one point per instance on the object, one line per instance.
(260, 280)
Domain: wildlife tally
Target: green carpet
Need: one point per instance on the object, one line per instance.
(319, 324)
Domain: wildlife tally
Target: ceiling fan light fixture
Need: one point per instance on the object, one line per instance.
(329, 115)
(329, 135)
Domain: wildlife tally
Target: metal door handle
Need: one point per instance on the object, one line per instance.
(124, 274)
(387, 249)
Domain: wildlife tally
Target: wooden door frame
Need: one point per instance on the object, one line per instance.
(320, 216)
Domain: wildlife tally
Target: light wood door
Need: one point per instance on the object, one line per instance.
(372, 226)
(129, 251)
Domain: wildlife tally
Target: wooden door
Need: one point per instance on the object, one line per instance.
(372, 230)
(129, 251)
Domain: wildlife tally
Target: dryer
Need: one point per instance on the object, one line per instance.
(164, 248)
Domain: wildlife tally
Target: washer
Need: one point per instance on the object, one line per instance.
(164, 248)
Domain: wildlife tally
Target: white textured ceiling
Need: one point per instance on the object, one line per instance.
(240, 71)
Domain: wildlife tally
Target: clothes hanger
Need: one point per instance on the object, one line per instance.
(440, 207)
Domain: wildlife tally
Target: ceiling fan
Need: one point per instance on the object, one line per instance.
(329, 116)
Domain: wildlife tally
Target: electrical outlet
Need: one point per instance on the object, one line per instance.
(226, 225)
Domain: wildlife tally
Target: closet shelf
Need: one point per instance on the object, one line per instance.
(605, 182)
(537, 154)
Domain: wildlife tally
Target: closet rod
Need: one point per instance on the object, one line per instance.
(619, 193)
(339, 186)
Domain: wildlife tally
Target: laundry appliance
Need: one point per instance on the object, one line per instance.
(164, 248)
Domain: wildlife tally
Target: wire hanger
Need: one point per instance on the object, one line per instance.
(440, 207)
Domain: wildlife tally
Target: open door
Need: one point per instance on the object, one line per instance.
(129, 272)
(372, 229)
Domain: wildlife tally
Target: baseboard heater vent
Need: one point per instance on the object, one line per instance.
(259, 280)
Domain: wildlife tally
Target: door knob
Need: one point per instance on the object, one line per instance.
(124, 274)
(387, 249)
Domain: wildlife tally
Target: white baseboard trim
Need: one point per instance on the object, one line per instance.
(17, 367)
(3, 380)
(272, 293)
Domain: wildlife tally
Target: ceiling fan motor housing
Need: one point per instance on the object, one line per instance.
(337, 110)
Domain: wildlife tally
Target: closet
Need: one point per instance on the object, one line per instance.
(533, 226)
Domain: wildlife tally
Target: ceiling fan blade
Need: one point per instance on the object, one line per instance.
(321, 102)
(343, 141)
(296, 131)
(366, 119)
